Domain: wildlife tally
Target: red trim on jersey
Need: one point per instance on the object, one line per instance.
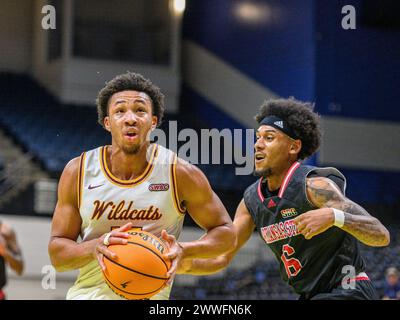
(260, 195)
(289, 175)
(360, 277)
(285, 183)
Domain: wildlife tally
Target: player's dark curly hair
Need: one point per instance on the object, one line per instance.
(130, 81)
(300, 117)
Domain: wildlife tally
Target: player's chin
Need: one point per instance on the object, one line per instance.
(257, 173)
(131, 148)
(261, 170)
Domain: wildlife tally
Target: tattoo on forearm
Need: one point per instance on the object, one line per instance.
(358, 222)
(362, 225)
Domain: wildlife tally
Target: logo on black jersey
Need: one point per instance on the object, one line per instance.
(159, 187)
(271, 204)
(287, 213)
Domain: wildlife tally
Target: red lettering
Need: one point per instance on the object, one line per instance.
(292, 265)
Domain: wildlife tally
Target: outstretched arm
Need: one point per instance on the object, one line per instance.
(243, 226)
(324, 194)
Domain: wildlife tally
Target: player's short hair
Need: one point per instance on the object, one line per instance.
(300, 117)
(130, 81)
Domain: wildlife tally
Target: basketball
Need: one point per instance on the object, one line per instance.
(139, 271)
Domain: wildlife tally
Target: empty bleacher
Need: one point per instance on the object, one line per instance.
(52, 132)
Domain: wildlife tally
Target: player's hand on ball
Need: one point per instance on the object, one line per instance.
(117, 236)
(314, 222)
(175, 254)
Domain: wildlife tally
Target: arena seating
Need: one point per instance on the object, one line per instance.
(262, 281)
(45, 128)
(55, 133)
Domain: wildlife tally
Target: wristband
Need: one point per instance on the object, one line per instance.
(339, 217)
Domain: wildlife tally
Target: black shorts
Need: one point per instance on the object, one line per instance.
(364, 290)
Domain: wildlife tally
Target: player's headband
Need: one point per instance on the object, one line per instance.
(279, 124)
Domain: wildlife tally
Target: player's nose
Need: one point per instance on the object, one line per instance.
(130, 118)
(258, 145)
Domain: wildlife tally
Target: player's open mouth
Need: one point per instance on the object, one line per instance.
(131, 135)
(259, 157)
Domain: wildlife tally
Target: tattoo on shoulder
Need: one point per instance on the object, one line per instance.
(322, 192)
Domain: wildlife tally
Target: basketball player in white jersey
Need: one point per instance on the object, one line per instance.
(131, 183)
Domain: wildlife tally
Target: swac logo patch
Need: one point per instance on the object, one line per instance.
(159, 187)
(287, 213)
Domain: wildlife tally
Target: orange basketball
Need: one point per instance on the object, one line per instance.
(139, 271)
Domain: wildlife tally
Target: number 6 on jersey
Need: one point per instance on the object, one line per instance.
(292, 265)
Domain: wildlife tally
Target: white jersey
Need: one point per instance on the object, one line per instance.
(105, 202)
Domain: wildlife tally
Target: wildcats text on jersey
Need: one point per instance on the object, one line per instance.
(279, 231)
(120, 212)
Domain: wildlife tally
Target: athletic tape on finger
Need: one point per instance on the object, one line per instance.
(106, 239)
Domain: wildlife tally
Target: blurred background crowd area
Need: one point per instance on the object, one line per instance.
(215, 61)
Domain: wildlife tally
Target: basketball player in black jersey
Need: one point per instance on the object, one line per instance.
(10, 253)
(301, 211)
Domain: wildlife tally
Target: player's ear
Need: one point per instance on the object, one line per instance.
(154, 121)
(295, 146)
(106, 122)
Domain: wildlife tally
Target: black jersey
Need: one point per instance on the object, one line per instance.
(309, 266)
